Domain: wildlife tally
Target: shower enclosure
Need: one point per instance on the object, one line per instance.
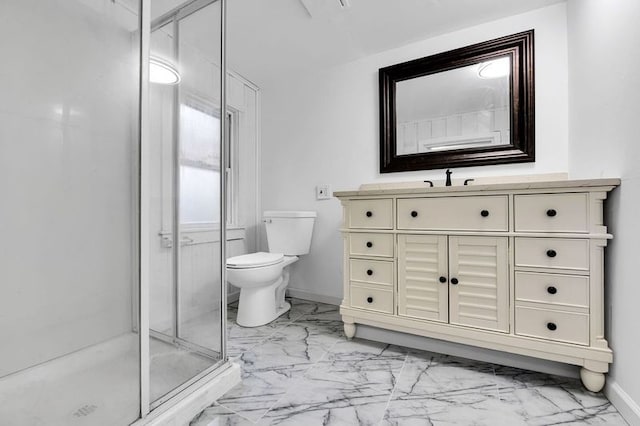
(112, 308)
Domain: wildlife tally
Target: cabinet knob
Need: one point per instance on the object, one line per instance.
(369, 299)
(551, 326)
(443, 279)
(551, 212)
(552, 290)
(369, 244)
(454, 281)
(369, 213)
(414, 214)
(551, 253)
(369, 272)
(484, 213)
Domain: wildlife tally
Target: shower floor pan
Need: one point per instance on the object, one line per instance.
(98, 385)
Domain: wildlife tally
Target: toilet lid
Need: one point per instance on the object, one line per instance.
(254, 260)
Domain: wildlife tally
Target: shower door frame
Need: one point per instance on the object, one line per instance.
(146, 28)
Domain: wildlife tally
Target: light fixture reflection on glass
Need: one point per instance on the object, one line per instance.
(494, 69)
(161, 72)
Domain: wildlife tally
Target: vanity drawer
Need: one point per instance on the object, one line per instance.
(552, 325)
(481, 213)
(560, 253)
(553, 289)
(552, 213)
(373, 214)
(365, 244)
(371, 271)
(373, 299)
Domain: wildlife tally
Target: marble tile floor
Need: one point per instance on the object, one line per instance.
(300, 370)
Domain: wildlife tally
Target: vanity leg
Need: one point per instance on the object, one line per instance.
(349, 330)
(591, 380)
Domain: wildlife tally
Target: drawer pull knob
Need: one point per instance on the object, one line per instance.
(369, 244)
(551, 326)
(552, 290)
(369, 299)
(551, 253)
(454, 281)
(443, 279)
(369, 272)
(551, 212)
(414, 214)
(369, 213)
(484, 213)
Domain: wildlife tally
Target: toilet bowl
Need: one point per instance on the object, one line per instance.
(264, 276)
(262, 286)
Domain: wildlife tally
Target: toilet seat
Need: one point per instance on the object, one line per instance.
(254, 260)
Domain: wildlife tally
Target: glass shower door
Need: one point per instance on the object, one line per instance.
(186, 307)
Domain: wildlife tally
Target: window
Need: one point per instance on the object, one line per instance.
(200, 164)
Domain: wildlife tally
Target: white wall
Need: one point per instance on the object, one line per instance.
(323, 128)
(68, 118)
(604, 87)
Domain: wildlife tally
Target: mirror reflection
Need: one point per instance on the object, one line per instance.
(467, 107)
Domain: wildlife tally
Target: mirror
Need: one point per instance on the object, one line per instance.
(466, 107)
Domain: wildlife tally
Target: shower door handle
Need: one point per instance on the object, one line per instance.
(186, 241)
(167, 242)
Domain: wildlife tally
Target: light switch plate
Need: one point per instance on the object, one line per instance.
(323, 192)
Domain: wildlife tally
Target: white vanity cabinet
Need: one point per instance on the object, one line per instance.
(511, 267)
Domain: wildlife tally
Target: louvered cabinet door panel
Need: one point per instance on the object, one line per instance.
(422, 260)
(480, 267)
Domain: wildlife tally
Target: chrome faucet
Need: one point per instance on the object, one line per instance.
(448, 182)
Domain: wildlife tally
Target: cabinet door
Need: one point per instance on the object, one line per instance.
(479, 289)
(422, 260)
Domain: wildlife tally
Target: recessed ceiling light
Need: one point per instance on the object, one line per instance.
(161, 72)
(496, 68)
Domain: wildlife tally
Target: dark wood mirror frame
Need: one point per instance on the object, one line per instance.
(522, 124)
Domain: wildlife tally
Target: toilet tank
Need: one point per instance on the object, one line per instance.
(289, 232)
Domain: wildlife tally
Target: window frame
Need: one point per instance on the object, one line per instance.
(194, 101)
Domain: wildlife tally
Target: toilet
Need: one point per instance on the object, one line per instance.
(263, 277)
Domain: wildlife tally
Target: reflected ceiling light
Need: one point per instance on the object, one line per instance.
(494, 69)
(162, 72)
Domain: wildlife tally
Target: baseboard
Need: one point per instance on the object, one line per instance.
(233, 297)
(465, 351)
(627, 407)
(306, 295)
(298, 294)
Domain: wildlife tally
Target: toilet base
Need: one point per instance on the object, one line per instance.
(254, 311)
(260, 306)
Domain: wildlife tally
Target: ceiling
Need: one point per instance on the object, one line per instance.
(270, 38)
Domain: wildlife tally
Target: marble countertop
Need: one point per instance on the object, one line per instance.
(424, 188)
